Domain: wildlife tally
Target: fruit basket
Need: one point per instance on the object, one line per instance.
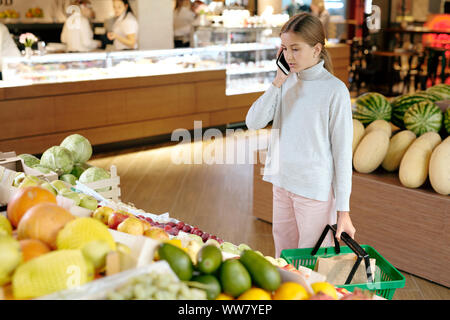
(386, 279)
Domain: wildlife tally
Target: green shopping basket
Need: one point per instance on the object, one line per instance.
(385, 281)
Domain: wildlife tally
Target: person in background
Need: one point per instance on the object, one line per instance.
(295, 7)
(77, 32)
(183, 19)
(318, 9)
(8, 46)
(125, 28)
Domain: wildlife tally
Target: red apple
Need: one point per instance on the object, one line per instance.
(180, 225)
(186, 228)
(115, 219)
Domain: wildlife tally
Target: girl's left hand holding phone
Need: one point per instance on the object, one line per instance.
(280, 78)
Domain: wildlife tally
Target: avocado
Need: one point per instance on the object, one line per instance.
(214, 288)
(178, 259)
(264, 274)
(234, 278)
(209, 259)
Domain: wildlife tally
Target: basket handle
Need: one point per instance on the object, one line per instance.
(353, 245)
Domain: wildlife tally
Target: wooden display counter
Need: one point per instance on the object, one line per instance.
(36, 117)
(409, 227)
(39, 116)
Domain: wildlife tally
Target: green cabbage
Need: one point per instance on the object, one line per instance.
(78, 169)
(42, 169)
(95, 174)
(80, 146)
(29, 159)
(58, 159)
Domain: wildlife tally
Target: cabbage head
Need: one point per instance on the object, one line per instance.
(93, 174)
(58, 159)
(29, 159)
(80, 146)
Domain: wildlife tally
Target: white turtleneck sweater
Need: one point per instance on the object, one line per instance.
(311, 139)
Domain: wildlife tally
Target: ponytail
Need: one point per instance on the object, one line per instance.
(327, 64)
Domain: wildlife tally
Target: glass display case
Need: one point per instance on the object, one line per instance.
(109, 65)
(250, 54)
(250, 67)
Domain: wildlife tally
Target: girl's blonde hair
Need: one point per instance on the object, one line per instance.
(311, 30)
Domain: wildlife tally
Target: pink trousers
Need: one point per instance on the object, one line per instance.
(298, 222)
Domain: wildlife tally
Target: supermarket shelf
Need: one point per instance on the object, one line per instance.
(241, 47)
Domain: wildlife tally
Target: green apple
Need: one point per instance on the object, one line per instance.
(69, 178)
(29, 181)
(71, 195)
(96, 252)
(88, 202)
(243, 247)
(49, 187)
(59, 185)
(10, 257)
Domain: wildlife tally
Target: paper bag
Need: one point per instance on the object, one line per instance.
(337, 268)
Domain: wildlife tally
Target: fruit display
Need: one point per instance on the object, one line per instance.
(372, 106)
(34, 13)
(414, 116)
(9, 13)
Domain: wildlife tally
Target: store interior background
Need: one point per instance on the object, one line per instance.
(216, 198)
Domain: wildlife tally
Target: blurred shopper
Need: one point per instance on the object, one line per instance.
(8, 46)
(297, 6)
(183, 19)
(77, 31)
(125, 28)
(318, 9)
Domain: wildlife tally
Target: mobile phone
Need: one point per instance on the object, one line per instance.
(282, 64)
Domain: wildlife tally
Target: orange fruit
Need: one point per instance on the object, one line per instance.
(26, 198)
(255, 294)
(223, 296)
(326, 288)
(43, 222)
(290, 291)
(32, 248)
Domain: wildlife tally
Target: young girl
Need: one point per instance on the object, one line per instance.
(310, 164)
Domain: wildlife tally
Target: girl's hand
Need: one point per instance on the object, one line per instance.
(280, 78)
(111, 36)
(344, 224)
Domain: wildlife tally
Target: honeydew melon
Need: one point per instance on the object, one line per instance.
(371, 151)
(439, 168)
(414, 166)
(398, 145)
(358, 133)
(380, 125)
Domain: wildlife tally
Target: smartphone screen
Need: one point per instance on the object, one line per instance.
(282, 64)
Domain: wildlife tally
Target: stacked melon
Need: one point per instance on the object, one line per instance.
(417, 116)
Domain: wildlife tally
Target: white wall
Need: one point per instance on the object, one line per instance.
(155, 19)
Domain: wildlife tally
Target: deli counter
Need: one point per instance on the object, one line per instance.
(113, 97)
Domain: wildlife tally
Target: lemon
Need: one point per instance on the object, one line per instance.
(223, 296)
(326, 288)
(5, 226)
(255, 294)
(291, 291)
(80, 231)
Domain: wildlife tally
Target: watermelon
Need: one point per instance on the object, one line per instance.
(423, 117)
(447, 120)
(442, 90)
(430, 95)
(403, 103)
(372, 106)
